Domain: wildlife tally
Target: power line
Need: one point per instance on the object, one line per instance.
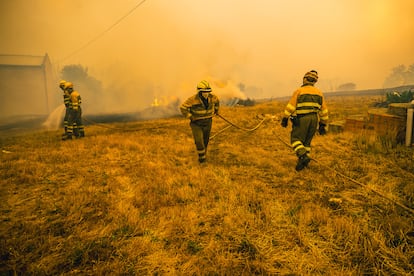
(105, 31)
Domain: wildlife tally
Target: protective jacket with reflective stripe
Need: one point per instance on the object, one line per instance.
(307, 99)
(66, 98)
(75, 100)
(195, 109)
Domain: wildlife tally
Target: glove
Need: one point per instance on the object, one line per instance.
(295, 120)
(322, 130)
(284, 122)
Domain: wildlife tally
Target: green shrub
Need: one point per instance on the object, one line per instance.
(404, 97)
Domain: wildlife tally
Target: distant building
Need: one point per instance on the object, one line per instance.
(27, 86)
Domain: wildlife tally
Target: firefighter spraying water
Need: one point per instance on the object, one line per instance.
(66, 102)
(74, 125)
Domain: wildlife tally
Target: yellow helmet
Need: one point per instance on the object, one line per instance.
(68, 85)
(203, 86)
(62, 84)
(310, 77)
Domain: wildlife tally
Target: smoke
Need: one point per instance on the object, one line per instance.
(160, 62)
(164, 48)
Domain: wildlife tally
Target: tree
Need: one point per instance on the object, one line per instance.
(89, 87)
(400, 75)
(75, 73)
(79, 75)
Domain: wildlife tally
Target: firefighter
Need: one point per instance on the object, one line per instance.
(306, 109)
(75, 125)
(66, 101)
(200, 109)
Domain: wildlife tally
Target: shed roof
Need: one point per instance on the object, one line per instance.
(21, 60)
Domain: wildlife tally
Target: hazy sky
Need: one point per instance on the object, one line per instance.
(171, 45)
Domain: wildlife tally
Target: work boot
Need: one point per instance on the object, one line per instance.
(303, 162)
(201, 157)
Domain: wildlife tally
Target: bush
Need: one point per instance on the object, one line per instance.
(404, 97)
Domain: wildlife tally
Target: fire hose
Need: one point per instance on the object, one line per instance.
(332, 169)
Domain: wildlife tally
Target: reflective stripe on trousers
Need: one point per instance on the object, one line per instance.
(201, 132)
(303, 132)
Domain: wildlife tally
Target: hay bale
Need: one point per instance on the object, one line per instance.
(385, 124)
(336, 127)
(399, 109)
(355, 123)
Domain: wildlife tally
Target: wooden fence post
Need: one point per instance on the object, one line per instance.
(409, 129)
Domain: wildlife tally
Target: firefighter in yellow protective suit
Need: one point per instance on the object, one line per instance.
(75, 125)
(308, 113)
(200, 109)
(66, 101)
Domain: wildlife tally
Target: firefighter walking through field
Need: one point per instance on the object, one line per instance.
(200, 109)
(75, 125)
(306, 109)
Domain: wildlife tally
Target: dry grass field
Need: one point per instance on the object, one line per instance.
(131, 199)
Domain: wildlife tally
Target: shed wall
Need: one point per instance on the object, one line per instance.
(28, 89)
